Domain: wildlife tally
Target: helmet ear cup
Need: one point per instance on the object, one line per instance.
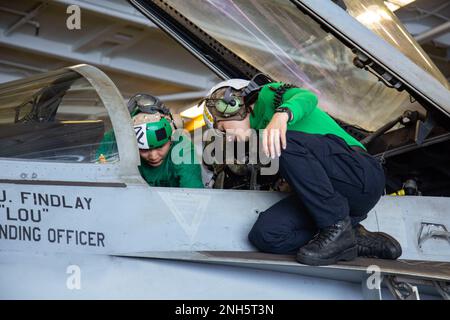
(230, 103)
(229, 108)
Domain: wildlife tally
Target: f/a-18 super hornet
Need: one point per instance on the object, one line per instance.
(76, 226)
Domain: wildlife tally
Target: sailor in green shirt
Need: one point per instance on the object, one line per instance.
(335, 181)
(154, 129)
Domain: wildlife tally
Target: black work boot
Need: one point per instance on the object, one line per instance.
(330, 245)
(378, 245)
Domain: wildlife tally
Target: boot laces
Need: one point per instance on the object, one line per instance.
(325, 236)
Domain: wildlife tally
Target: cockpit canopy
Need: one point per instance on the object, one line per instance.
(293, 46)
(56, 116)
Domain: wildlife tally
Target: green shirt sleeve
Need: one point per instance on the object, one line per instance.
(107, 147)
(301, 104)
(190, 175)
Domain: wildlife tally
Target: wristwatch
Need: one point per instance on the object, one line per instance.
(287, 110)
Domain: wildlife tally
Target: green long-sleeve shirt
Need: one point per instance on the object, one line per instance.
(168, 174)
(307, 116)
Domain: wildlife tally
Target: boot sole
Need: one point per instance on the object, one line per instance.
(346, 255)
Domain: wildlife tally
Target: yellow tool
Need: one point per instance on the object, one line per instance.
(399, 193)
(102, 159)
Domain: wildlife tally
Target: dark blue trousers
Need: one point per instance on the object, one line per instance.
(330, 181)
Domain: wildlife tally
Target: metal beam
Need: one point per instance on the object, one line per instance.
(7, 76)
(25, 19)
(84, 42)
(110, 35)
(74, 109)
(120, 64)
(440, 58)
(426, 13)
(19, 69)
(21, 66)
(184, 96)
(115, 50)
(433, 33)
(110, 11)
(34, 23)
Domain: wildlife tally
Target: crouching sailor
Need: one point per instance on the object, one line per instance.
(335, 181)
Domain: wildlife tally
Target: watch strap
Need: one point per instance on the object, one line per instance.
(285, 109)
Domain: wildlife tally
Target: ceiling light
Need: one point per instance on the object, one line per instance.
(394, 5)
(373, 14)
(192, 112)
(401, 3)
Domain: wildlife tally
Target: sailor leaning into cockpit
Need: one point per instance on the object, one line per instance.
(335, 181)
(154, 126)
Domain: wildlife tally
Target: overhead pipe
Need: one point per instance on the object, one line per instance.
(433, 33)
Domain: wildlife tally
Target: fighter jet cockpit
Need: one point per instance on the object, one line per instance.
(66, 204)
(54, 117)
(288, 42)
(60, 117)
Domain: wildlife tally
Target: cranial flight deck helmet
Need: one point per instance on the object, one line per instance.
(151, 134)
(234, 102)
